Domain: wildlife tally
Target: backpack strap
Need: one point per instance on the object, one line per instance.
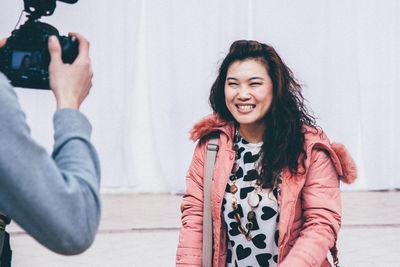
(212, 149)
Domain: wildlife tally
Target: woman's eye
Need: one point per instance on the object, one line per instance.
(255, 84)
(232, 84)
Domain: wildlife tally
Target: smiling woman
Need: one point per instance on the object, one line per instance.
(275, 195)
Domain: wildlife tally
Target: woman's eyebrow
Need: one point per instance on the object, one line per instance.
(250, 79)
(256, 78)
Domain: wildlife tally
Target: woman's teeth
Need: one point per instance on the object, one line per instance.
(245, 107)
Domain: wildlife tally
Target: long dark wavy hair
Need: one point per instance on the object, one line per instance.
(283, 138)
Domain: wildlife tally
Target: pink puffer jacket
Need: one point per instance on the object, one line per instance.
(310, 214)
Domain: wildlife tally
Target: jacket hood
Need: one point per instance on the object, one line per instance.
(341, 158)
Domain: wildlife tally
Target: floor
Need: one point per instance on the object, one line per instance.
(142, 230)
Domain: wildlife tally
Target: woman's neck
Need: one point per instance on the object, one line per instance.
(252, 133)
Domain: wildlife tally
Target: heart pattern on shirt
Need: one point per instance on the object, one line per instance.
(275, 258)
(239, 210)
(259, 241)
(268, 213)
(234, 230)
(239, 152)
(251, 175)
(244, 191)
(263, 259)
(250, 158)
(228, 188)
(242, 252)
(239, 174)
(275, 192)
(223, 204)
(276, 237)
(229, 256)
(255, 225)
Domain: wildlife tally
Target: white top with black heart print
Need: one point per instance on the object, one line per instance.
(262, 249)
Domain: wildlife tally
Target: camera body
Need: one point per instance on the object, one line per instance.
(25, 57)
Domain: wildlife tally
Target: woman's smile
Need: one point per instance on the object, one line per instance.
(245, 108)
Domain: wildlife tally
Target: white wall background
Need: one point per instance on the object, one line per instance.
(155, 61)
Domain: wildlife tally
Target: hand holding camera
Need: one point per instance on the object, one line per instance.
(70, 82)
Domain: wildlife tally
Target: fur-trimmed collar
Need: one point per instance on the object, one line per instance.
(212, 123)
(209, 124)
(348, 165)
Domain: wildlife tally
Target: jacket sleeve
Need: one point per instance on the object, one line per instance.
(189, 251)
(54, 199)
(321, 212)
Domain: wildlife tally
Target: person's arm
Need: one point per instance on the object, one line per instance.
(191, 235)
(54, 199)
(321, 211)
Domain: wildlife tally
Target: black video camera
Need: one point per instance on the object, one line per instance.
(25, 58)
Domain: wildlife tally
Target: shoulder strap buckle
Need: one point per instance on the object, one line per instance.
(212, 147)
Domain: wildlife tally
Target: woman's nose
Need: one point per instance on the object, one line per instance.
(243, 93)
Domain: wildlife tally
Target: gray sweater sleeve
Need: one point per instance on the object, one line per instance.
(55, 199)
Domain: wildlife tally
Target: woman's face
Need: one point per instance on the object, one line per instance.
(248, 91)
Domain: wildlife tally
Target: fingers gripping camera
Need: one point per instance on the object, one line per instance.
(25, 57)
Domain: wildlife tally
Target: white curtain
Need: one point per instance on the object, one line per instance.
(155, 61)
